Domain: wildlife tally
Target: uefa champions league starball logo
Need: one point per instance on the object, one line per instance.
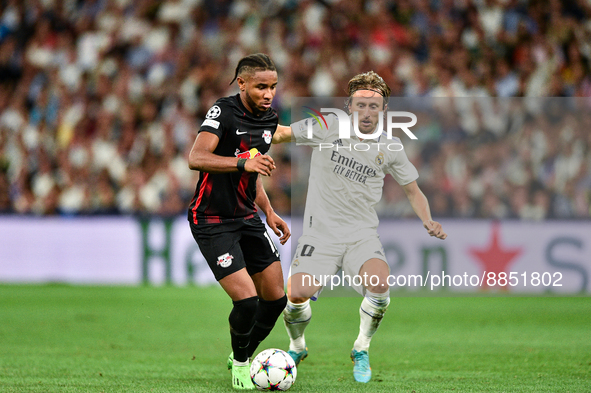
(213, 112)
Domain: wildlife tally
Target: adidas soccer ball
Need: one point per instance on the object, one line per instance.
(273, 369)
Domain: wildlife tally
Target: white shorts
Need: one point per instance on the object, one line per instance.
(321, 259)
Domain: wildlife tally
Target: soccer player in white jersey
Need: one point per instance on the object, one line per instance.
(340, 222)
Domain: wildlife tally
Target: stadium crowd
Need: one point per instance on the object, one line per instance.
(100, 100)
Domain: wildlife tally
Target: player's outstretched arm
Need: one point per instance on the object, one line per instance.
(282, 134)
(202, 158)
(420, 205)
(275, 222)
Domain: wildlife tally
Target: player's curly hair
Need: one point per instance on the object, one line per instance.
(369, 81)
(252, 63)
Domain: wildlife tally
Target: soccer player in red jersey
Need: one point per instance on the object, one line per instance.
(230, 152)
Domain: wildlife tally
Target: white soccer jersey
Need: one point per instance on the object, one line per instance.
(345, 184)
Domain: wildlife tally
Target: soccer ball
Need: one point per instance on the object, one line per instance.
(273, 369)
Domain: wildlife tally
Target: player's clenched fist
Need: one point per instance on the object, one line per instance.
(262, 164)
(434, 229)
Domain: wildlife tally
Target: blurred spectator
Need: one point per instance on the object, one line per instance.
(100, 100)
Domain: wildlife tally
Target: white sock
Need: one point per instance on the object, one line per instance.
(296, 317)
(371, 311)
(237, 363)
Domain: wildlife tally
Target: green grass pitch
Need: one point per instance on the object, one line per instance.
(57, 338)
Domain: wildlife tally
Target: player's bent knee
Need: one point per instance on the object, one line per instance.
(375, 272)
(378, 285)
(298, 299)
(301, 286)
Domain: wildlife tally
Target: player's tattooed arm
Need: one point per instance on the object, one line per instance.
(275, 222)
(420, 205)
(282, 134)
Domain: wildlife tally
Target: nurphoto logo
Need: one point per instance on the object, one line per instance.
(344, 122)
(317, 116)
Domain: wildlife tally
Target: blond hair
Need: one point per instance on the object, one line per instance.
(369, 81)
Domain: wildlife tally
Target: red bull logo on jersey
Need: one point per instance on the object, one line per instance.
(225, 260)
(252, 153)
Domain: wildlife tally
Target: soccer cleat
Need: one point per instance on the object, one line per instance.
(230, 361)
(298, 356)
(361, 369)
(241, 378)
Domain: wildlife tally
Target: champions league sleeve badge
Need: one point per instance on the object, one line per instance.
(213, 112)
